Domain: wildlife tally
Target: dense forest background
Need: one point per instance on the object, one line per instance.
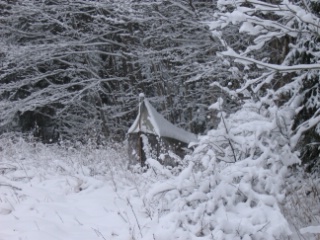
(73, 69)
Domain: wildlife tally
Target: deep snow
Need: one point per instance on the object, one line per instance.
(87, 192)
(55, 193)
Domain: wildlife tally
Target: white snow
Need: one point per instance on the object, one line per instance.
(310, 229)
(217, 105)
(51, 193)
(247, 27)
(86, 192)
(150, 121)
(141, 95)
(54, 208)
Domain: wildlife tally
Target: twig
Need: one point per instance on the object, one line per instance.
(122, 217)
(4, 170)
(78, 221)
(37, 225)
(8, 185)
(228, 139)
(135, 216)
(59, 216)
(260, 230)
(99, 234)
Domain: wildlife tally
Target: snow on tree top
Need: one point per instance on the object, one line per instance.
(150, 121)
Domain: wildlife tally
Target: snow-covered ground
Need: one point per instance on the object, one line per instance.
(60, 193)
(53, 207)
(86, 192)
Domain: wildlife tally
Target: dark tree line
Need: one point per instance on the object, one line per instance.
(71, 69)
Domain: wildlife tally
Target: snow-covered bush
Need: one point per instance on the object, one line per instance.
(234, 183)
(284, 53)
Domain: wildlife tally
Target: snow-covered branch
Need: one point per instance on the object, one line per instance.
(275, 67)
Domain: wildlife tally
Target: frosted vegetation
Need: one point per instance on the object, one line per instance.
(231, 187)
(243, 75)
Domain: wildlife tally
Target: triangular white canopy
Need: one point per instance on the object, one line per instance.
(150, 121)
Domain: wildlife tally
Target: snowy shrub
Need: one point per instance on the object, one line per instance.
(284, 54)
(234, 182)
